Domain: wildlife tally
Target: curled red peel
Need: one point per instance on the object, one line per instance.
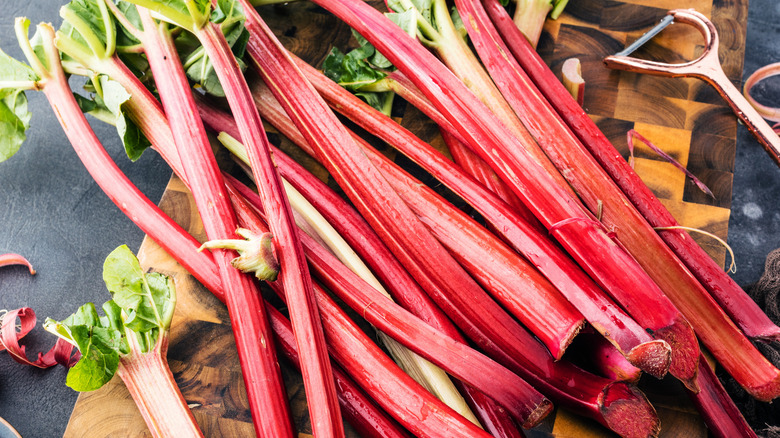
(10, 336)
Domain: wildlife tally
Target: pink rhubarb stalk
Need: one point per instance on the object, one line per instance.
(172, 414)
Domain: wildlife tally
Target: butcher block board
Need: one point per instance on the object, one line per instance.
(683, 117)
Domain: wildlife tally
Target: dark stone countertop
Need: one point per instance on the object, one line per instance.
(54, 214)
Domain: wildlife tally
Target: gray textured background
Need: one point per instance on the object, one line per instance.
(53, 213)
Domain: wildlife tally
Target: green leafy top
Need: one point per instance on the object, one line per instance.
(15, 76)
(230, 17)
(136, 319)
(188, 14)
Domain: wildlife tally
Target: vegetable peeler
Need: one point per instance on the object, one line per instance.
(706, 67)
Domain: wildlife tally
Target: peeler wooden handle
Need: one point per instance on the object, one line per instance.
(707, 68)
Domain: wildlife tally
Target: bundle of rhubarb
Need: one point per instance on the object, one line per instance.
(568, 247)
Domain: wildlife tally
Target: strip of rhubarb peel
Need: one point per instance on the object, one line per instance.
(266, 394)
(11, 259)
(740, 307)
(566, 384)
(359, 410)
(464, 363)
(601, 312)
(304, 315)
(150, 382)
(716, 331)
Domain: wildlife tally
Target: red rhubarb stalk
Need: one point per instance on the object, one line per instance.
(720, 414)
(497, 267)
(601, 312)
(464, 363)
(740, 307)
(415, 247)
(716, 331)
(259, 366)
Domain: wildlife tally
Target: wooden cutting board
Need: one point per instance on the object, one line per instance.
(683, 117)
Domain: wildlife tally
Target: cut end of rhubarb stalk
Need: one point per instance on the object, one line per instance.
(685, 351)
(766, 392)
(571, 75)
(654, 357)
(538, 414)
(627, 411)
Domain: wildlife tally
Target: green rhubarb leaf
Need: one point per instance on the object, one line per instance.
(14, 122)
(113, 98)
(12, 70)
(142, 307)
(14, 115)
(99, 345)
(147, 300)
(99, 357)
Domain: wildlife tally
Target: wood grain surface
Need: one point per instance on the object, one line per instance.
(683, 117)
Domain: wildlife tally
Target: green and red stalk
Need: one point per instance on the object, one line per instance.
(12, 259)
(358, 409)
(461, 361)
(739, 306)
(716, 331)
(150, 382)
(266, 394)
(582, 392)
(530, 16)
(585, 239)
(304, 315)
(601, 312)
